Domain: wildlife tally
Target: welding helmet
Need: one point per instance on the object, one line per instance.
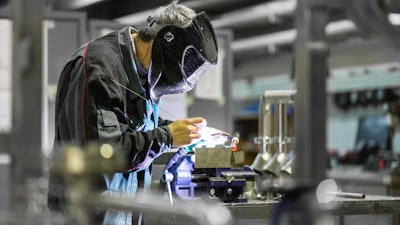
(180, 56)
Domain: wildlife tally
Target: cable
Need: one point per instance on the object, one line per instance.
(133, 92)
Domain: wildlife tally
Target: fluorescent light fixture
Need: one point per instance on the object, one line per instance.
(76, 4)
(394, 18)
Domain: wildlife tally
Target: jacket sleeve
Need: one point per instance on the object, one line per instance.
(162, 122)
(103, 117)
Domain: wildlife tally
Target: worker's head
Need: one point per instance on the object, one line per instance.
(184, 46)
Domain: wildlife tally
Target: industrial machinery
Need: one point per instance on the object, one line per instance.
(215, 169)
(275, 158)
(209, 171)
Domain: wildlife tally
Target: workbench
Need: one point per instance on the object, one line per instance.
(371, 204)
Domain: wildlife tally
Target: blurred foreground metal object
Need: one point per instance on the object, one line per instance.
(20, 149)
(81, 168)
(78, 170)
(152, 204)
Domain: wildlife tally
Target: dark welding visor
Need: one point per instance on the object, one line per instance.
(180, 56)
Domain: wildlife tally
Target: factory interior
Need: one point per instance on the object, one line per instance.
(308, 91)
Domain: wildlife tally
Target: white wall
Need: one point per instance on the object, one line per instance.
(5, 75)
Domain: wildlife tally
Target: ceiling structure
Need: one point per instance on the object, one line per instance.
(260, 27)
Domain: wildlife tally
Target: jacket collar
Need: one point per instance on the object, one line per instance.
(126, 47)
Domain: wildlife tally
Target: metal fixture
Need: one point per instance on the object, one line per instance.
(273, 143)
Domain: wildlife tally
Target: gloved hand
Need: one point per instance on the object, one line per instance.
(186, 131)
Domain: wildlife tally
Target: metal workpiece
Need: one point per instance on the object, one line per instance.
(218, 157)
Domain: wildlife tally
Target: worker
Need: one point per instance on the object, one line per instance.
(110, 89)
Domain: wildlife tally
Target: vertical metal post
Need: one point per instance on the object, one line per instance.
(27, 94)
(396, 216)
(310, 73)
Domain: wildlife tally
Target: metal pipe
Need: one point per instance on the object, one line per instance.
(346, 194)
(287, 37)
(266, 11)
(265, 126)
(254, 14)
(265, 117)
(281, 126)
(139, 19)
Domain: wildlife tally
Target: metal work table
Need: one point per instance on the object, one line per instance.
(371, 204)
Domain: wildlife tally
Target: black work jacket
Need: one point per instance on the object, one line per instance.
(93, 105)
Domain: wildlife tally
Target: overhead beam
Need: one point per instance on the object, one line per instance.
(73, 4)
(268, 11)
(287, 37)
(139, 18)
